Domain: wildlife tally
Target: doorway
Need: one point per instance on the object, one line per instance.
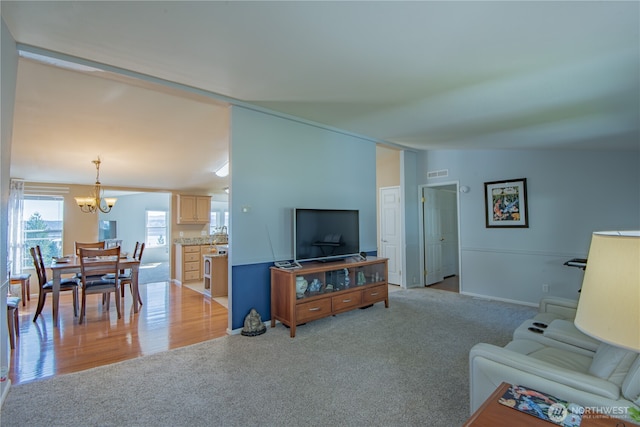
(440, 235)
(391, 232)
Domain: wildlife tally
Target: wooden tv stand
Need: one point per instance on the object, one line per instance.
(366, 285)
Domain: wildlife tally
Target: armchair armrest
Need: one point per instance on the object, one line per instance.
(564, 307)
(543, 370)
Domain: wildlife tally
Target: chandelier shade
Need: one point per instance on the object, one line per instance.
(96, 202)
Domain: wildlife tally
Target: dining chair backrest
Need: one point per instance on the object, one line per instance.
(135, 250)
(137, 253)
(93, 245)
(38, 263)
(98, 262)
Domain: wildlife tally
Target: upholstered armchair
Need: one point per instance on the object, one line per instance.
(609, 378)
(554, 356)
(553, 326)
(552, 308)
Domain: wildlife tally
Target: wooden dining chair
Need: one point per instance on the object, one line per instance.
(125, 275)
(91, 245)
(46, 286)
(94, 265)
(13, 320)
(126, 278)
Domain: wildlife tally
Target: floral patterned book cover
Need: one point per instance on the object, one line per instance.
(543, 406)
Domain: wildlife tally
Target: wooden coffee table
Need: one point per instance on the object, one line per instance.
(494, 414)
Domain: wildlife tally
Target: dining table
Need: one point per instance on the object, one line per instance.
(71, 264)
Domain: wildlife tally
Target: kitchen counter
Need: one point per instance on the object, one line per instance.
(205, 240)
(188, 265)
(214, 255)
(215, 268)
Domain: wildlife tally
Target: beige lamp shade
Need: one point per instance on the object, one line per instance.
(609, 305)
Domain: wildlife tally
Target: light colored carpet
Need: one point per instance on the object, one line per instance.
(152, 272)
(402, 366)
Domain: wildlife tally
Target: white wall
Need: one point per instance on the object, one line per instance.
(9, 66)
(409, 187)
(570, 195)
(130, 214)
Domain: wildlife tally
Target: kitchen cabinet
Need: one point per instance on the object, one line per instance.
(188, 264)
(193, 209)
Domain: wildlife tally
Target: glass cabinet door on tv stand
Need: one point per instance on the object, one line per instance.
(321, 289)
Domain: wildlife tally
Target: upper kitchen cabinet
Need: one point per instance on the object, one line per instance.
(193, 209)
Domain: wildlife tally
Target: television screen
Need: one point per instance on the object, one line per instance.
(108, 230)
(325, 234)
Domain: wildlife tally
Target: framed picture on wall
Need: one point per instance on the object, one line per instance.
(506, 203)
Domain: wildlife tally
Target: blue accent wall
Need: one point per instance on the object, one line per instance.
(251, 289)
(278, 164)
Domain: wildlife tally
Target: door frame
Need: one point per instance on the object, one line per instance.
(421, 230)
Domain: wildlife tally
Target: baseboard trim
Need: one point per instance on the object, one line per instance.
(5, 392)
(490, 298)
(238, 330)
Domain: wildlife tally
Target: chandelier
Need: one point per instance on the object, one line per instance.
(94, 203)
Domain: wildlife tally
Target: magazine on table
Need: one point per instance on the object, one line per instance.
(543, 406)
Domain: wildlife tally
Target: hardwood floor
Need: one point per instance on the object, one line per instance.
(451, 284)
(172, 316)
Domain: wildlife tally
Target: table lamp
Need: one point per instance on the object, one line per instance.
(609, 305)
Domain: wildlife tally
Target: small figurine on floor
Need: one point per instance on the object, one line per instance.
(253, 325)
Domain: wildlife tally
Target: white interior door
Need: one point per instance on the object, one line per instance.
(391, 232)
(433, 236)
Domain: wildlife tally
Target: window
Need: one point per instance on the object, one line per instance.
(213, 222)
(156, 229)
(42, 225)
(218, 220)
(219, 216)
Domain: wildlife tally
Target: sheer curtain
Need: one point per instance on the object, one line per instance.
(16, 235)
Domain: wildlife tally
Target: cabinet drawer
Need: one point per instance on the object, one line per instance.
(313, 310)
(191, 248)
(190, 276)
(375, 294)
(192, 266)
(191, 257)
(346, 300)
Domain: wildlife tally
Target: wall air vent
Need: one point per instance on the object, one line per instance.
(438, 174)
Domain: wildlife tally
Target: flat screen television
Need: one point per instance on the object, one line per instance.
(108, 230)
(324, 234)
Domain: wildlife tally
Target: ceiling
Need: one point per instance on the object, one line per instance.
(421, 75)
